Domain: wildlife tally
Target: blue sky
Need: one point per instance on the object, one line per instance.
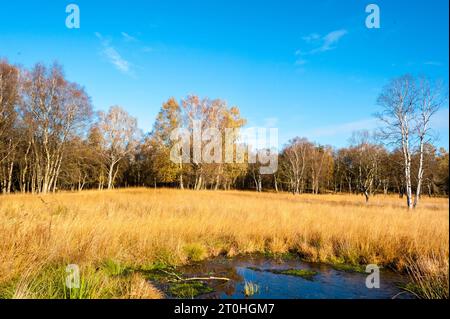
(310, 68)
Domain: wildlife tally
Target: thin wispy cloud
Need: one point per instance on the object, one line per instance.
(311, 37)
(113, 56)
(330, 41)
(128, 37)
(318, 44)
(133, 39)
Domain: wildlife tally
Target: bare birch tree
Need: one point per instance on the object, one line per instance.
(120, 135)
(53, 110)
(365, 158)
(407, 107)
(430, 98)
(9, 98)
(398, 101)
(295, 156)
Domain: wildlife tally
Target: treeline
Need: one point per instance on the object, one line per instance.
(50, 140)
(365, 167)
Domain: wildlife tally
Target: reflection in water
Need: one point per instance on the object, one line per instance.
(328, 283)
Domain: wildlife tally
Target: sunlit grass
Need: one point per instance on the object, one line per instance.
(250, 288)
(111, 231)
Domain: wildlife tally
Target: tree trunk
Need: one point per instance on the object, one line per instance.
(419, 175)
(110, 176)
(8, 187)
(407, 160)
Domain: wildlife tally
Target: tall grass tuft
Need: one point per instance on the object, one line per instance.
(250, 289)
(429, 278)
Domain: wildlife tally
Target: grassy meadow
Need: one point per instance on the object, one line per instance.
(113, 235)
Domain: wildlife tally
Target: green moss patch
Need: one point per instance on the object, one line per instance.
(349, 268)
(303, 273)
(189, 289)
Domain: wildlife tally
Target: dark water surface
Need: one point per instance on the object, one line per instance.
(329, 283)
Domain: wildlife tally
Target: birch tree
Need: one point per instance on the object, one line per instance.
(398, 101)
(430, 98)
(407, 108)
(365, 160)
(295, 158)
(321, 166)
(120, 136)
(9, 139)
(53, 110)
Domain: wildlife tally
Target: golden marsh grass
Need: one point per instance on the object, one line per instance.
(140, 227)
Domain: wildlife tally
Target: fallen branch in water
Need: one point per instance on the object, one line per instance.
(178, 278)
(206, 278)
